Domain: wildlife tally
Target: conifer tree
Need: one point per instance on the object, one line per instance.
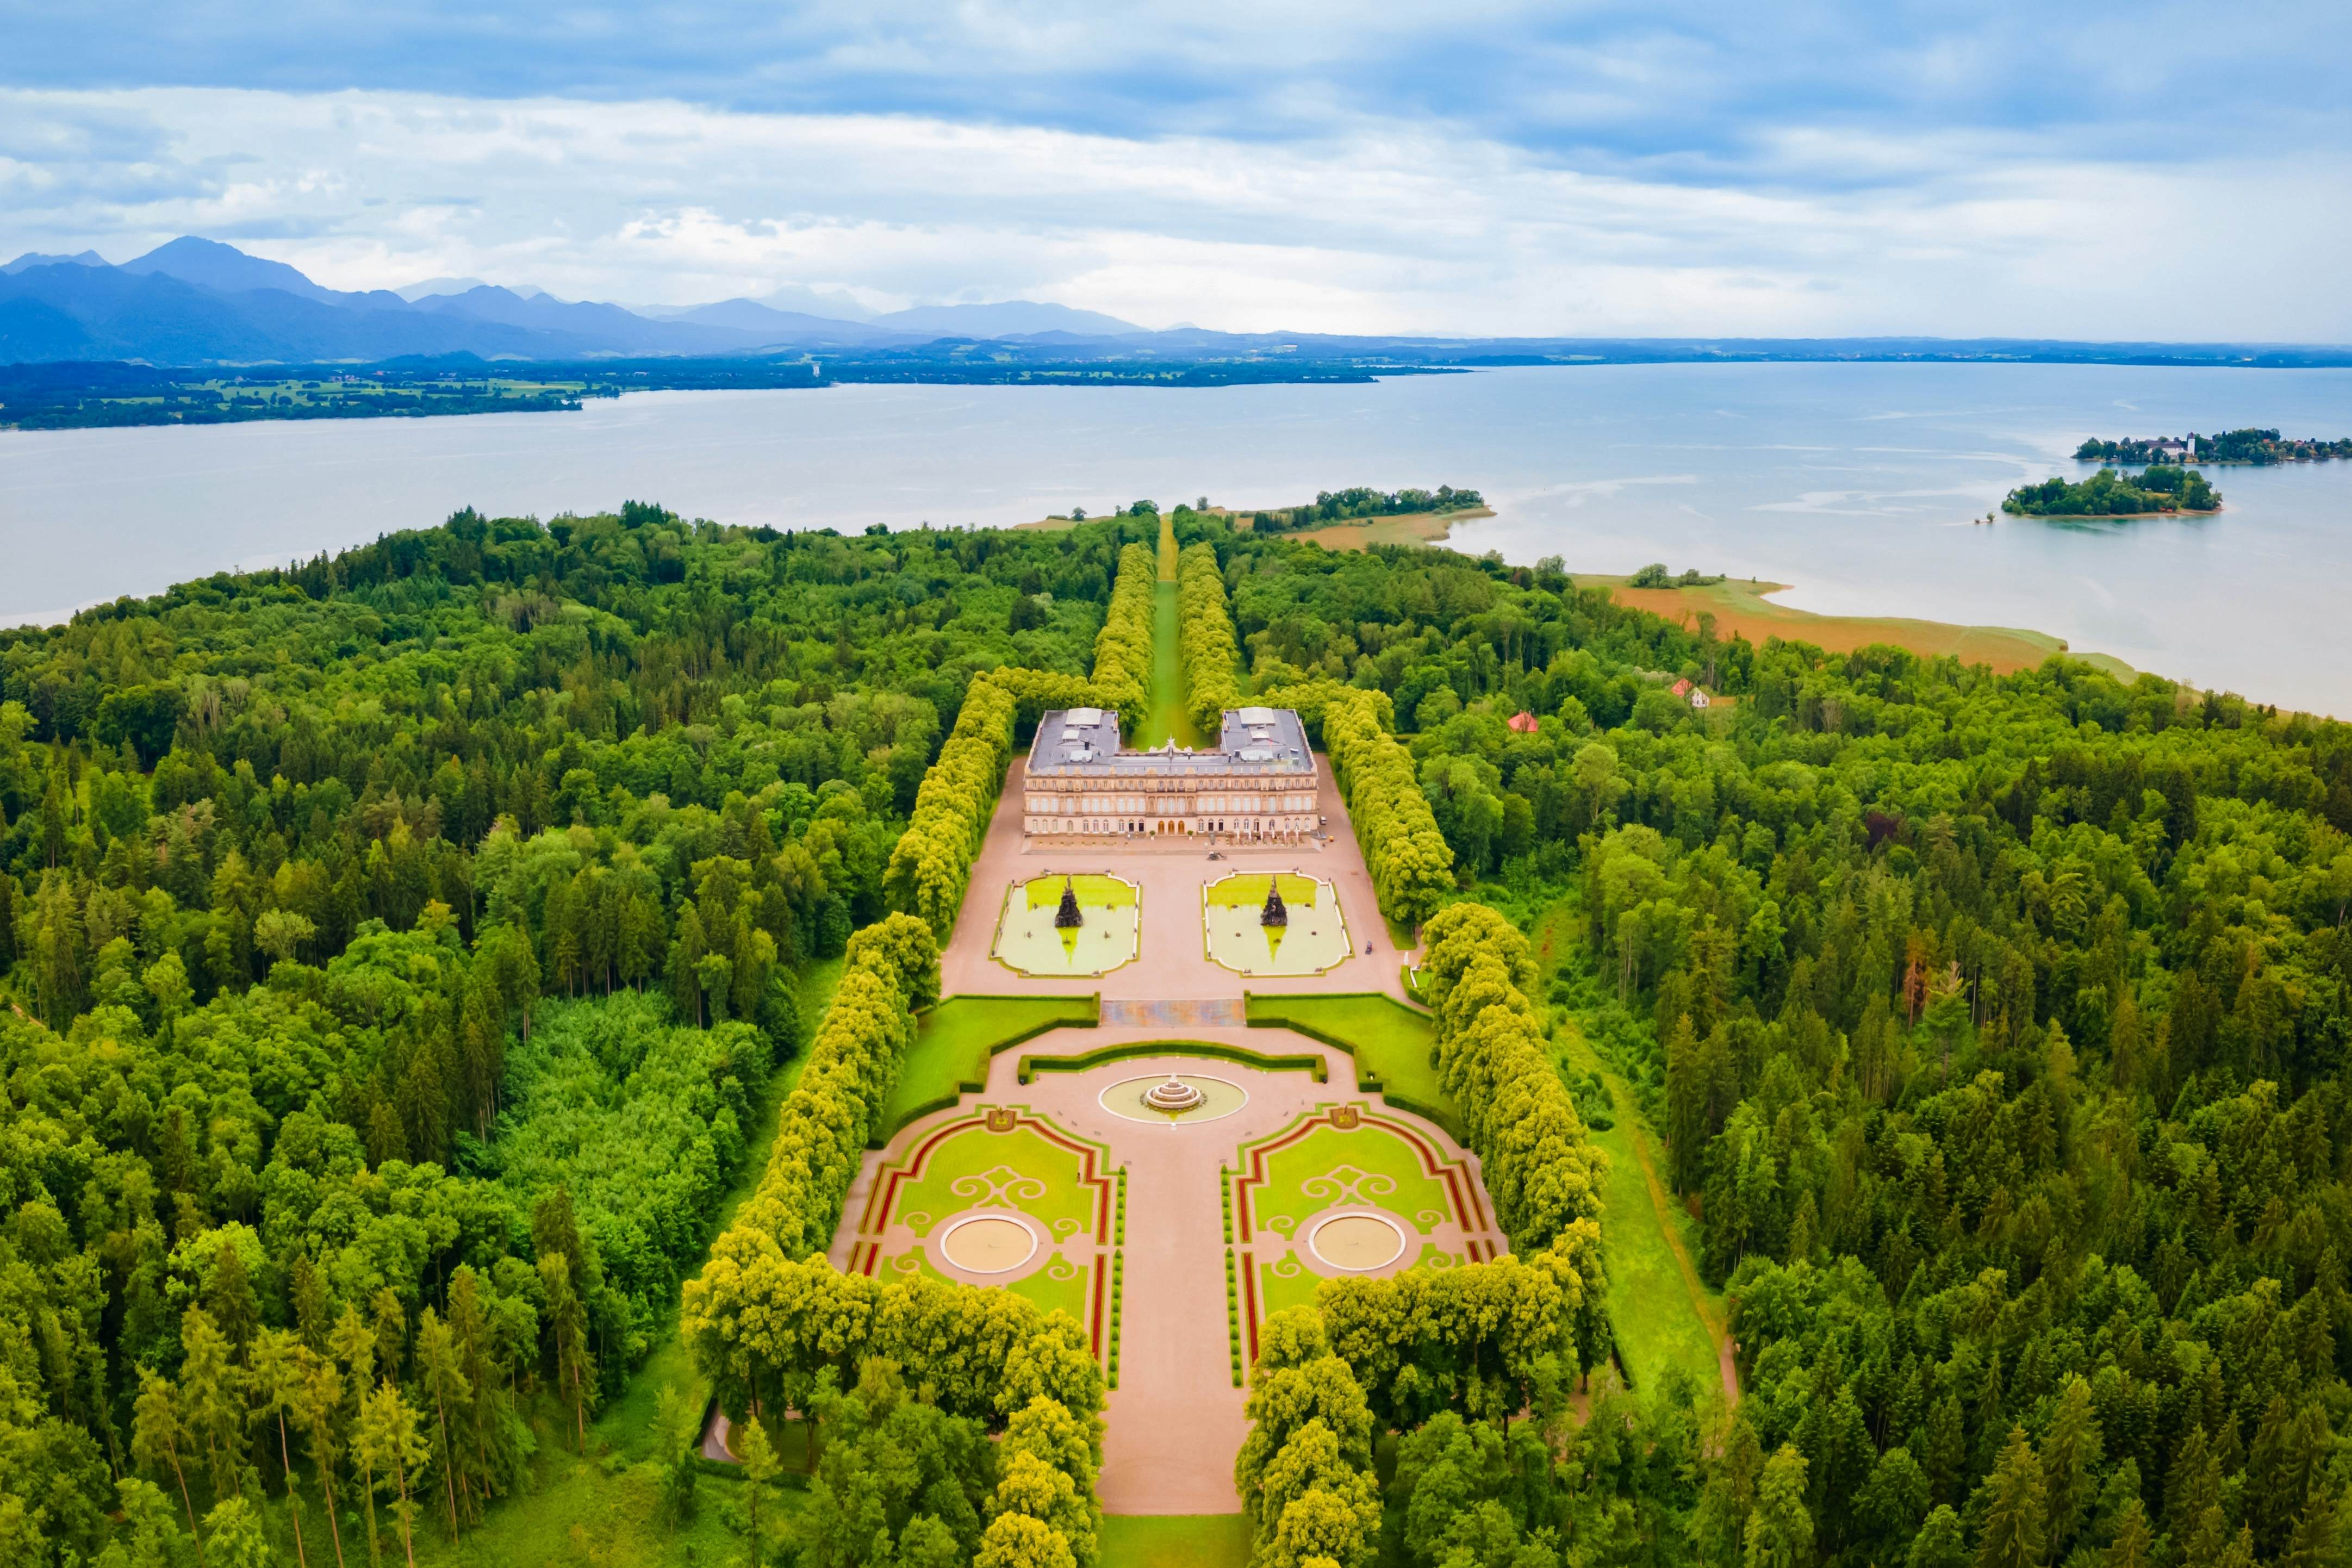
(2016, 1530)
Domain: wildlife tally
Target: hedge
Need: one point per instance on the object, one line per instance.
(1544, 1177)
(1123, 648)
(930, 866)
(1204, 633)
(892, 968)
(1241, 1055)
(1410, 863)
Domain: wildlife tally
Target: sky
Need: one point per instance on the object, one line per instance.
(2094, 170)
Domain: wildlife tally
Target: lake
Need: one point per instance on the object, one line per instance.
(1855, 483)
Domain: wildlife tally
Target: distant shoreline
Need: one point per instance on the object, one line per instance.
(1745, 607)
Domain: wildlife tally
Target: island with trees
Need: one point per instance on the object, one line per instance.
(2251, 446)
(1361, 502)
(2163, 489)
(452, 984)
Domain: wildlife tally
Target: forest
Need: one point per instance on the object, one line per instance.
(398, 944)
(2247, 446)
(2163, 487)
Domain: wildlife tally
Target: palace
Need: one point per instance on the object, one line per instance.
(1259, 785)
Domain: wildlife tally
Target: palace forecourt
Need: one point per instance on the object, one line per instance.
(1258, 786)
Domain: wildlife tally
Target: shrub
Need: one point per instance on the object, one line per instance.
(1205, 631)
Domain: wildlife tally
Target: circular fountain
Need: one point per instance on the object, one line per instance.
(1174, 1096)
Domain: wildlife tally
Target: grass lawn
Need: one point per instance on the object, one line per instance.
(1390, 1041)
(1166, 719)
(1365, 1164)
(1094, 889)
(954, 1040)
(1174, 1540)
(1659, 1322)
(972, 1167)
(1029, 943)
(1664, 1314)
(1246, 890)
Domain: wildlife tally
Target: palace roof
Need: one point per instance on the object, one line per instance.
(1083, 742)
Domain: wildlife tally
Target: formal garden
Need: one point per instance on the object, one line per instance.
(999, 1197)
(1260, 923)
(1346, 1191)
(1068, 925)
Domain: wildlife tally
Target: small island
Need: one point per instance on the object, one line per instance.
(1360, 503)
(2162, 490)
(2248, 446)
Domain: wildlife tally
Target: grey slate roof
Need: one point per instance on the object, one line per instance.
(1083, 742)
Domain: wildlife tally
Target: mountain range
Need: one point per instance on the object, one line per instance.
(197, 302)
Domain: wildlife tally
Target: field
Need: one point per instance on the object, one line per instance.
(954, 1040)
(1663, 1315)
(1744, 608)
(1405, 528)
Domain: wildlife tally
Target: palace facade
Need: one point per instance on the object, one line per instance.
(1259, 784)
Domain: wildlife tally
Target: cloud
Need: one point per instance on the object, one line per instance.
(1373, 222)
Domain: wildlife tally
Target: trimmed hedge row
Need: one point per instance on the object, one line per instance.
(1204, 633)
(1410, 863)
(1241, 1055)
(891, 969)
(1544, 1177)
(930, 866)
(1123, 648)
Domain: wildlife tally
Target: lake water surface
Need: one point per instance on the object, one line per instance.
(1855, 483)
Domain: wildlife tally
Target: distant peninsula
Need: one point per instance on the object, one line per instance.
(2163, 491)
(2248, 446)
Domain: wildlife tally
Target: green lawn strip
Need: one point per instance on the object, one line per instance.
(954, 1041)
(1174, 1540)
(1659, 1322)
(1285, 1282)
(1390, 1041)
(976, 1167)
(1095, 890)
(1301, 1180)
(1166, 719)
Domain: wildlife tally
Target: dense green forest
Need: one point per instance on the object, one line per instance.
(393, 945)
(396, 946)
(1998, 1028)
(2161, 488)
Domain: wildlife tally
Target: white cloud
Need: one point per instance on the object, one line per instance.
(1375, 225)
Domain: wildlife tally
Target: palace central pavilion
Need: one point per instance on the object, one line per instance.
(1258, 783)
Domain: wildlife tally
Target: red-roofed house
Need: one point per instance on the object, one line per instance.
(1524, 723)
(1680, 688)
